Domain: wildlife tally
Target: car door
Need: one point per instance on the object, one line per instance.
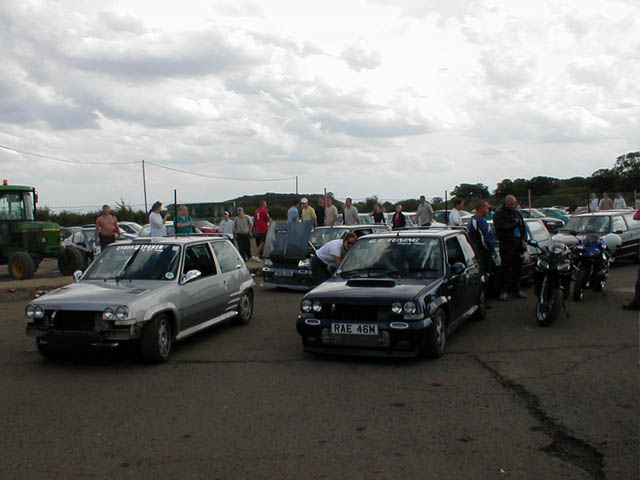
(233, 272)
(474, 272)
(203, 297)
(619, 227)
(457, 282)
(634, 232)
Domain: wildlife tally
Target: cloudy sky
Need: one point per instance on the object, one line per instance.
(360, 96)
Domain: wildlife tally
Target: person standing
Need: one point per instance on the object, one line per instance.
(227, 225)
(106, 227)
(156, 220)
(398, 220)
(261, 220)
(619, 203)
(320, 212)
(328, 257)
(377, 214)
(481, 236)
(592, 206)
(331, 213)
(242, 228)
(606, 203)
(308, 213)
(454, 215)
(292, 214)
(184, 222)
(512, 235)
(424, 213)
(350, 213)
(635, 303)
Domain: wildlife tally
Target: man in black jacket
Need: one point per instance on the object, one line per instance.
(512, 235)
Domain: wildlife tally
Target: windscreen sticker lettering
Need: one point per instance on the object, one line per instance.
(405, 240)
(155, 248)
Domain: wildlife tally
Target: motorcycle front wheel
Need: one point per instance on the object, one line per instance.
(548, 304)
(581, 284)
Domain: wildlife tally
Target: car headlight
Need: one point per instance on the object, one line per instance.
(108, 314)
(306, 306)
(306, 263)
(268, 263)
(564, 267)
(30, 311)
(542, 264)
(410, 308)
(38, 311)
(317, 306)
(122, 313)
(396, 307)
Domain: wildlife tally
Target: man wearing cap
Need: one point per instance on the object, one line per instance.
(308, 213)
(227, 225)
(242, 228)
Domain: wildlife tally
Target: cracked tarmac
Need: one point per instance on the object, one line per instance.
(508, 400)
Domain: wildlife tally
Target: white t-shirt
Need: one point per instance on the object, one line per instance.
(351, 215)
(619, 203)
(454, 218)
(593, 205)
(227, 226)
(157, 225)
(329, 250)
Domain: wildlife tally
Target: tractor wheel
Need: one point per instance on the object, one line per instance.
(70, 260)
(21, 266)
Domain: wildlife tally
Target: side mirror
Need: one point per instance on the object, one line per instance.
(190, 276)
(77, 275)
(533, 243)
(457, 268)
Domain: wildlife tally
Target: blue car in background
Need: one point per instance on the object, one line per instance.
(555, 213)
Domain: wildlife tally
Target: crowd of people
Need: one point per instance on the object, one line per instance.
(512, 235)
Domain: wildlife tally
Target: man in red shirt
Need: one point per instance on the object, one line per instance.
(635, 303)
(261, 221)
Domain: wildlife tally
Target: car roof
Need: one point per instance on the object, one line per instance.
(351, 227)
(438, 232)
(172, 240)
(603, 214)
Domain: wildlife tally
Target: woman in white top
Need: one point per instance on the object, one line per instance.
(156, 221)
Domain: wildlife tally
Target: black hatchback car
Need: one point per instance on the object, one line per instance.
(395, 294)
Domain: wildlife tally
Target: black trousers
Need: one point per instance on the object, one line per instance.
(510, 265)
(319, 270)
(244, 245)
(106, 240)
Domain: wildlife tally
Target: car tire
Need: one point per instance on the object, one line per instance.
(21, 266)
(481, 313)
(155, 340)
(70, 260)
(46, 350)
(435, 338)
(245, 308)
(580, 285)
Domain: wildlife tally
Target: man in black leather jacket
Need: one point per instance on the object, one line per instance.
(512, 235)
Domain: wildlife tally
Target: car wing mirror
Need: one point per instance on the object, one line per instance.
(77, 275)
(190, 276)
(458, 268)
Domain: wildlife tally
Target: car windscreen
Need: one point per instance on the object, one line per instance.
(204, 223)
(394, 255)
(321, 236)
(135, 262)
(591, 224)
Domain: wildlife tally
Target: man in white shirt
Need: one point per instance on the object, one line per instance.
(328, 257)
(454, 215)
(619, 202)
(424, 213)
(350, 213)
(593, 204)
(227, 225)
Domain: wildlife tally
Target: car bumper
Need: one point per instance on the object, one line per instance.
(84, 339)
(297, 278)
(400, 338)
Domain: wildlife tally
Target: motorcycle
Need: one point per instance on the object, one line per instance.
(591, 261)
(552, 280)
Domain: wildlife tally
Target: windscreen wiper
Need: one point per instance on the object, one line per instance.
(126, 265)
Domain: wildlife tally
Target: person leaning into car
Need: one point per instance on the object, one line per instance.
(512, 235)
(481, 236)
(328, 257)
(106, 227)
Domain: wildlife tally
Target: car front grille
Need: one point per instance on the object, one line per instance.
(73, 320)
(356, 313)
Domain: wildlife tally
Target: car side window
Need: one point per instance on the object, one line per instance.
(633, 224)
(77, 237)
(363, 231)
(454, 252)
(617, 224)
(198, 257)
(538, 231)
(227, 256)
(467, 250)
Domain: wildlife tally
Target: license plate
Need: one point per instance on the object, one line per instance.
(354, 328)
(281, 272)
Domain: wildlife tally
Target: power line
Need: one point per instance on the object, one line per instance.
(220, 178)
(76, 162)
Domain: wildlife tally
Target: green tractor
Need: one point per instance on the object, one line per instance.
(24, 242)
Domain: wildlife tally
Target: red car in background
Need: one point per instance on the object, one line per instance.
(205, 226)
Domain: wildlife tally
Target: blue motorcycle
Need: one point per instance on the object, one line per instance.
(591, 261)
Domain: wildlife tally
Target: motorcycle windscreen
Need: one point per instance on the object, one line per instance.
(288, 241)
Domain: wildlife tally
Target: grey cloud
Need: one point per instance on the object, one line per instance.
(592, 74)
(360, 58)
(369, 127)
(121, 23)
(302, 50)
(503, 70)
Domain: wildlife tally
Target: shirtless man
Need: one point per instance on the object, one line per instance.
(106, 227)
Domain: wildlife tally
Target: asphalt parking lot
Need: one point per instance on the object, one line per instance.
(508, 400)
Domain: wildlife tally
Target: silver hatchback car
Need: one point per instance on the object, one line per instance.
(156, 291)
